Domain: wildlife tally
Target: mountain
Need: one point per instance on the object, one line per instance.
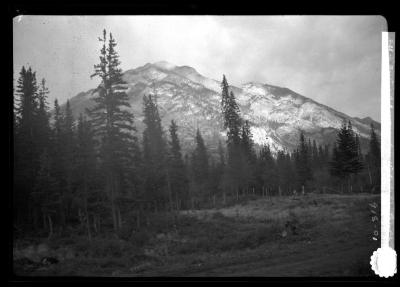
(276, 114)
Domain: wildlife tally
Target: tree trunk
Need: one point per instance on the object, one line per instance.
(214, 200)
(50, 226)
(111, 190)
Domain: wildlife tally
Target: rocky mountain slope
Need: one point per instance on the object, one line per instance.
(276, 114)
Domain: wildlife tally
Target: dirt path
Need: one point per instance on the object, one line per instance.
(322, 263)
(324, 258)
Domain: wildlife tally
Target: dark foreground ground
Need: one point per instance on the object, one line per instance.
(312, 235)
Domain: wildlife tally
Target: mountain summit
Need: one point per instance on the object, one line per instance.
(276, 114)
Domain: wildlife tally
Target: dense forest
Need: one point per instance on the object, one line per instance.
(97, 173)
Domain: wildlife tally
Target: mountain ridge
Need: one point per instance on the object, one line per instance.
(276, 114)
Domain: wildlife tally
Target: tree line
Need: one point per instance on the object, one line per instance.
(95, 171)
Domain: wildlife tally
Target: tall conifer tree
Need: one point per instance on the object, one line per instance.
(113, 124)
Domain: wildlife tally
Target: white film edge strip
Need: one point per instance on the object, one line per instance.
(384, 260)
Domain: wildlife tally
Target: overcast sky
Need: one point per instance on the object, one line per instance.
(334, 60)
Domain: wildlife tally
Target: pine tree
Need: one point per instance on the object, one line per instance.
(68, 146)
(281, 167)
(304, 162)
(113, 125)
(26, 149)
(200, 166)
(154, 149)
(46, 195)
(321, 157)
(232, 123)
(43, 117)
(177, 171)
(249, 157)
(315, 157)
(44, 182)
(58, 160)
(267, 170)
(345, 159)
(85, 166)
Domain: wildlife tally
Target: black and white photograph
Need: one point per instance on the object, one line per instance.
(198, 145)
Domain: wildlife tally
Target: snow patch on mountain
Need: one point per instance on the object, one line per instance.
(276, 114)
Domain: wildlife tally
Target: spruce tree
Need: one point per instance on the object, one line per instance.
(345, 158)
(321, 156)
(58, 162)
(26, 149)
(304, 162)
(43, 117)
(68, 149)
(113, 125)
(232, 123)
(200, 166)
(177, 172)
(315, 156)
(154, 160)
(249, 157)
(85, 167)
(268, 170)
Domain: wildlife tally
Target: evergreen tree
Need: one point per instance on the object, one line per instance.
(43, 117)
(200, 166)
(58, 160)
(345, 159)
(281, 168)
(67, 147)
(113, 124)
(249, 157)
(44, 181)
(232, 124)
(315, 157)
(85, 167)
(218, 171)
(46, 193)
(26, 148)
(268, 170)
(154, 149)
(303, 164)
(177, 172)
(321, 157)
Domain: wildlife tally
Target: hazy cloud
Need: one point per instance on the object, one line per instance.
(334, 60)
